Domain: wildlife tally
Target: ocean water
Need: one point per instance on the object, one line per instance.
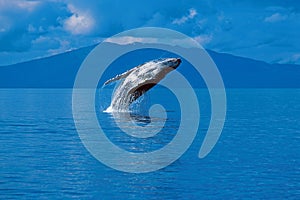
(256, 157)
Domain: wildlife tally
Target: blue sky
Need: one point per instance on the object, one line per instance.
(263, 30)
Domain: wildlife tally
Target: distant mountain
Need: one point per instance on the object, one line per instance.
(57, 71)
(240, 72)
(60, 71)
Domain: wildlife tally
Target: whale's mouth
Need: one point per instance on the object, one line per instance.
(177, 62)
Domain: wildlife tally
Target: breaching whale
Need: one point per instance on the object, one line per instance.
(138, 80)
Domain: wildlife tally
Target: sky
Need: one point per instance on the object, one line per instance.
(267, 30)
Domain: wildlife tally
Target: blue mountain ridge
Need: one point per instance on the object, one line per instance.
(59, 71)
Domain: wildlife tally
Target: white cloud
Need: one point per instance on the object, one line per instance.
(19, 4)
(40, 40)
(80, 23)
(203, 39)
(32, 29)
(27, 5)
(192, 14)
(292, 59)
(182, 20)
(277, 17)
(124, 40)
(64, 47)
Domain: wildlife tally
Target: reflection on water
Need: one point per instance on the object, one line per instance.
(138, 133)
(257, 155)
(146, 127)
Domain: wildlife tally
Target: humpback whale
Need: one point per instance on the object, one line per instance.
(138, 80)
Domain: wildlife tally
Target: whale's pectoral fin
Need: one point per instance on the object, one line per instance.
(118, 77)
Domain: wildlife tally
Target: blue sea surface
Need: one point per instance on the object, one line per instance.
(256, 157)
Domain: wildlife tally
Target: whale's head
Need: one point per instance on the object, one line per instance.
(155, 71)
(167, 64)
(149, 74)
